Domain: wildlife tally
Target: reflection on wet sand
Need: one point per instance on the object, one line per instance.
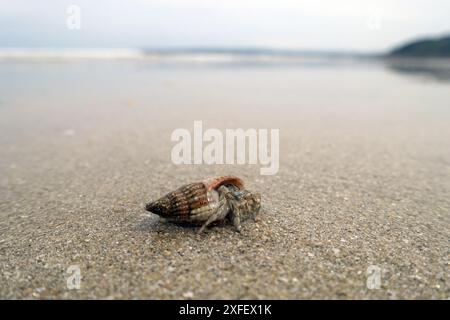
(437, 69)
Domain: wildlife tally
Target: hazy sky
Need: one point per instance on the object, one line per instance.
(332, 24)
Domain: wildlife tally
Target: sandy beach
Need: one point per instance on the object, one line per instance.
(364, 182)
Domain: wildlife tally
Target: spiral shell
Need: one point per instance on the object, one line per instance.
(193, 202)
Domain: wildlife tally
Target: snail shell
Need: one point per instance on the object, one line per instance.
(193, 202)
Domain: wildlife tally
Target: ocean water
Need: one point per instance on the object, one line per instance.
(46, 92)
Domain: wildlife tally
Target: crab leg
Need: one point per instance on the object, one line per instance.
(220, 213)
(235, 215)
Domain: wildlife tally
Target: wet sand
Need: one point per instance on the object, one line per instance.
(364, 181)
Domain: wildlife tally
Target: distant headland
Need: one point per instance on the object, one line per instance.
(424, 48)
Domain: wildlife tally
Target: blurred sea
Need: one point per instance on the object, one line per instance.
(233, 57)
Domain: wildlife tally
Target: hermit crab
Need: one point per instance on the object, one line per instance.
(207, 201)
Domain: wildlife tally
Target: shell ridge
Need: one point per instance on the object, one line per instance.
(216, 182)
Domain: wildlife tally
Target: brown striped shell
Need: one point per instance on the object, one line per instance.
(193, 202)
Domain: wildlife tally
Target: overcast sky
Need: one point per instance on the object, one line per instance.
(329, 25)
